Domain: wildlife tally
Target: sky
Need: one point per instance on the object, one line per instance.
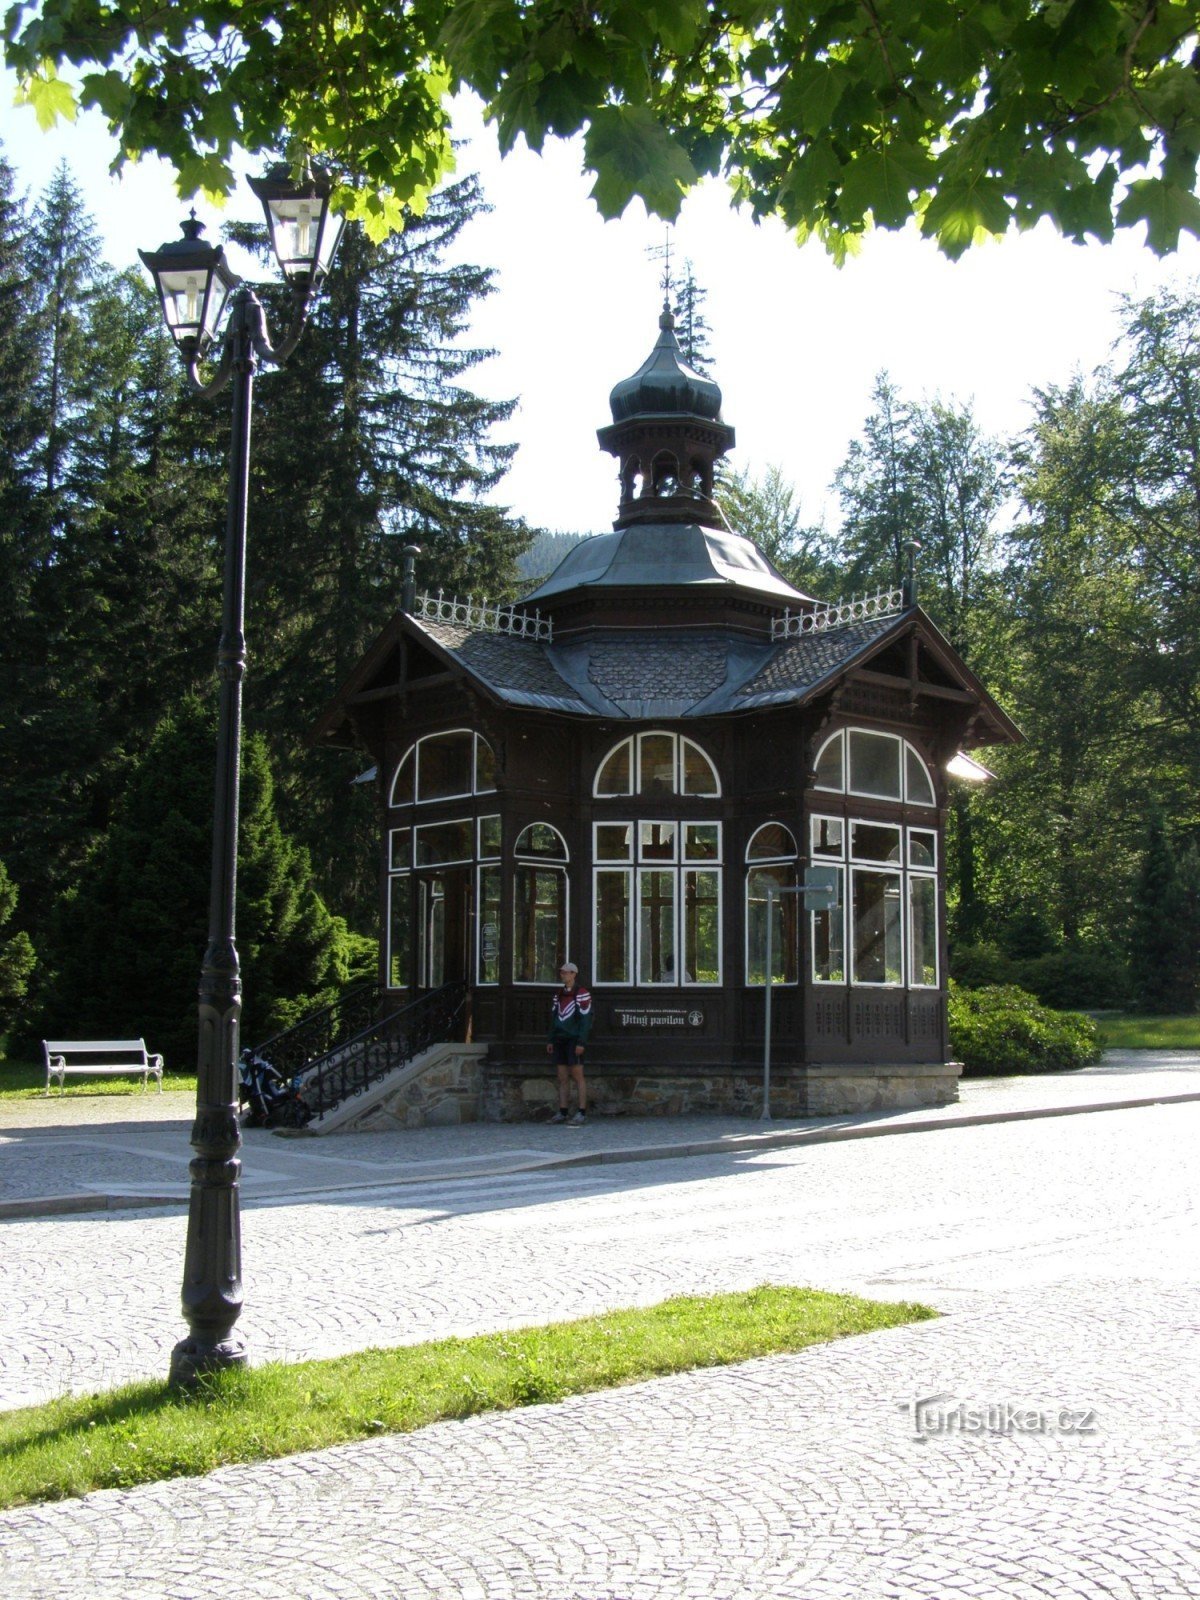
(797, 343)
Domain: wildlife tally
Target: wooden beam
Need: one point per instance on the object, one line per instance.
(905, 686)
(408, 686)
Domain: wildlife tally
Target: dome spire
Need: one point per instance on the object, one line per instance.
(667, 433)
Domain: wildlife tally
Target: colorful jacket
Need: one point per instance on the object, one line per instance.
(571, 1015)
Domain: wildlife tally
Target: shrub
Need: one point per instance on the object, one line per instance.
(977, 965)
(1091, 979)
(998, 1031)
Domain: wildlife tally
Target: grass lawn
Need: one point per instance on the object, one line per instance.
(25, 1080)
(1129, 1031)
(147, 1432)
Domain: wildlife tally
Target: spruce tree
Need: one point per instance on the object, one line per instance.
(691, 325)
(17, 958)
(64, 255)
(123, 947)
(369, 439)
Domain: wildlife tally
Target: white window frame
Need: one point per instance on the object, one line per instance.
(543, 864)
(444, 822)
(869, 861)
(640, 871)
(679, 742)
(906, 745)
(496, 865)
(549, 861)
(694, 867)
(754, 864)
(614, 861)
(911, 878)
(627, 869)
(414, 753)
(405, 879)
(393, 864)
(921, 867)
(839, 910)
(853, 980)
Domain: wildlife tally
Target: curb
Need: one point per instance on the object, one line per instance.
(735, 1144)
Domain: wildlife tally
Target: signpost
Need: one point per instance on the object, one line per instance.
(820, 891)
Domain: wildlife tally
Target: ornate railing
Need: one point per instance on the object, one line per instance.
(472, 613)
(858, 608)
(392, 1042)
(293, 1049)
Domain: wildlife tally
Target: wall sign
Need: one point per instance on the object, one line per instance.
(647, 1017)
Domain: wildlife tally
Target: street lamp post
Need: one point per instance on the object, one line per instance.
(195, 284)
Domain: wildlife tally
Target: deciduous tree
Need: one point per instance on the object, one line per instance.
(829, 115)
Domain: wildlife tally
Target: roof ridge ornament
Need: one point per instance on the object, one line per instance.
(470, 613)
(822, 617)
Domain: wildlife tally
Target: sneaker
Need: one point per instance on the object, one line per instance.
(559, 1116)
(578, 1120)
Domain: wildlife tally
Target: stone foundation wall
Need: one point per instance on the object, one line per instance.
(441, 1088)
(516, 1094)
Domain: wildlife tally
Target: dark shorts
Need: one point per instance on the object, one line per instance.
(564, 1052)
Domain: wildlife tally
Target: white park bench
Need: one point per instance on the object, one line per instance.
(109, 1058)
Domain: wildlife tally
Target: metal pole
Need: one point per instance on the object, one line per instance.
(766, 1105)
(212, 1272)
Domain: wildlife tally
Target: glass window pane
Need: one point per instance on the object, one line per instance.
(614, 841)
(702, 927)
(922, 932)
(656, 841)
(439, 843)
(656, 763)
(877, 927)
(699, 775)
(539, 923)
(920, 789)
(784, 925)
(922, 847)
(612, 927)
(402, 784)
(540, 839)
(485, 767)
(828, 837)
(400, 849)
(829, 940)
(771, 841)
(874, 764)
(656, 927)
(399, 968)
(875, 841)
(829, 765)
(444, 766)
(702, 841)
(489, 925)
(616, 775)
(489, 838)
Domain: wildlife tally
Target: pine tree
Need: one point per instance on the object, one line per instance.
(369, 439)
(123, 948)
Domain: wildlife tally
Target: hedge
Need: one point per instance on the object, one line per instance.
(1003, 1030)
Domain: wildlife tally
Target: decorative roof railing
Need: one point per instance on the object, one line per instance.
(472, 613)
(858, 608)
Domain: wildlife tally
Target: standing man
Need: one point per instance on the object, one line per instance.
(570, 1024)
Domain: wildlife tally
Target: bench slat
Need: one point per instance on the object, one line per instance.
(60, 1047)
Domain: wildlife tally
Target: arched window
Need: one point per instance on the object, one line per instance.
(540, 909)
(771, 863)
(656, 763)
(444, 766)
(883, 932)
(877, 766)
(657, 887)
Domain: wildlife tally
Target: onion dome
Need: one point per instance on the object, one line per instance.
(665, 384)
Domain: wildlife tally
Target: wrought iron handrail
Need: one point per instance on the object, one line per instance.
(472, 613)
(293, 1049)
(392, 1042)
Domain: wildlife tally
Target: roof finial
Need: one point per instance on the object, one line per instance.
(662, 252)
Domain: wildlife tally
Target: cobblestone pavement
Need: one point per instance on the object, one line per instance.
(86, 1151)
(1065, 1253)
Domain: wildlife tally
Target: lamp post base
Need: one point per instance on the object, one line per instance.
(192, 1359)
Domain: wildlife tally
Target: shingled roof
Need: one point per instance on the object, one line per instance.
(665, 672)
